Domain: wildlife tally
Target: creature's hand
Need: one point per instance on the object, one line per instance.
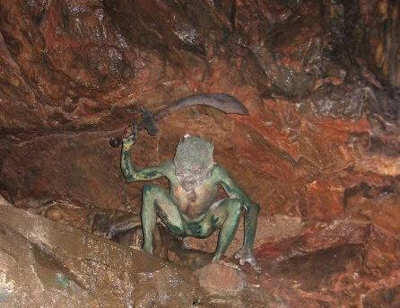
(245, 255)
(128, 142)
(129, 138)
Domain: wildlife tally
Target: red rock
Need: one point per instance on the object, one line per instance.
(383, 298)
(221, 279)
(324, 200)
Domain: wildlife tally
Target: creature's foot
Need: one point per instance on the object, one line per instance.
(216, 258)
(185, 244)
(246, 256)
(228, 264)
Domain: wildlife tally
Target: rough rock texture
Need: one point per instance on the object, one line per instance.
(320, 150)
(221, 279)
(44, 264)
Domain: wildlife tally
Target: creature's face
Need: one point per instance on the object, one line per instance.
(193, 161)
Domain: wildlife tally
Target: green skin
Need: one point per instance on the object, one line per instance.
(194, 213)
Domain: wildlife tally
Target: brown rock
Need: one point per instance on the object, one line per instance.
(324, 200)
(383, 298)
(221, 279)
(72, 268)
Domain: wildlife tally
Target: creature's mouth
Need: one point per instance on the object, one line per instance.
(192, 179)
(188, 183)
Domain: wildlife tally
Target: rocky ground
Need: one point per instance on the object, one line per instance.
(319, 150)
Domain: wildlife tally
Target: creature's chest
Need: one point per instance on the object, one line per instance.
(195, 201)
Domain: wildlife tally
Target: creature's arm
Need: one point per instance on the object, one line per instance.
(129, 171)
(252, 209)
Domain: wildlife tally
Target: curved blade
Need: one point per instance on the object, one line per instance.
(220, 101)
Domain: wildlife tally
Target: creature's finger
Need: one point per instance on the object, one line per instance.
(257, 268)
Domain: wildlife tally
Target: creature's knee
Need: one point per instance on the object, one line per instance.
(235, 207)
(149, 191)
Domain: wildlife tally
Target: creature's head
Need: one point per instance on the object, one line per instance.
(193, 160)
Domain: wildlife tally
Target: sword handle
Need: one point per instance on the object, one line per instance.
(116, 142)
(148, 122)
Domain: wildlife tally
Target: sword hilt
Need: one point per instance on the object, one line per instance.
(115, 142)
(148, 123)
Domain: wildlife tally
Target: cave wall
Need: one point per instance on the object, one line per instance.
(320, 80)
(317, 77)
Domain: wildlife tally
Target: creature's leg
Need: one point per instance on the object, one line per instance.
(231, 210)
(123, 224)
(156, 201)
(225, 216)
(245, 254)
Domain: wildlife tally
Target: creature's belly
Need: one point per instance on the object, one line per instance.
(194, 204)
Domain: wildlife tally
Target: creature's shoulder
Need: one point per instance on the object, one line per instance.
(168, 168)
(218, 171)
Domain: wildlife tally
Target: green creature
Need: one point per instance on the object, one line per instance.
(190, 207)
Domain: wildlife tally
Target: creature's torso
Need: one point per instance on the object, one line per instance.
(197, 201)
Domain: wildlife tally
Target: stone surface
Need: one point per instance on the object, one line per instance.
(45, 264)
(66, 99)
(221, 279)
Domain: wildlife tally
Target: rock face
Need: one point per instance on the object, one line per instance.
(319, 151)
(221, 279)
(43, 265)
